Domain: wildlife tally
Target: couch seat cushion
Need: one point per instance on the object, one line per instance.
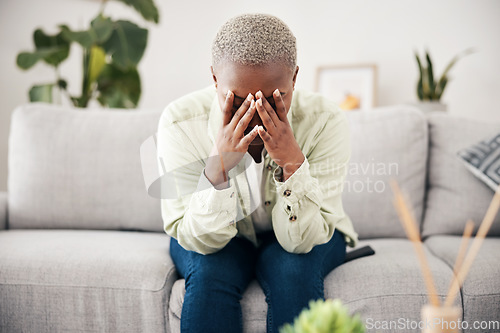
(385, 286)
(481, 288)
(63, 280)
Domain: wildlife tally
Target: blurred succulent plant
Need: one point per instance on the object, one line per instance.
(329, 316)
(427, 87)
(111, 53)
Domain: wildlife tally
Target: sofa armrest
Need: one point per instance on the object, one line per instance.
(3, 210)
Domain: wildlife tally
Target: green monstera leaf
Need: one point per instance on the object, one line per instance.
(41, 93)
(26, 60)
(100, 31)
(119, 88)
(126, 44)
(51, 49)
(146, 8)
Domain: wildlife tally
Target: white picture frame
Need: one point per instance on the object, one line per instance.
(352, 87)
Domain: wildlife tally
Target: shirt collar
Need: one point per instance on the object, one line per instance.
(215, 118)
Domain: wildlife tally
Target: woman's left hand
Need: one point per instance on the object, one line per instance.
(278, 137)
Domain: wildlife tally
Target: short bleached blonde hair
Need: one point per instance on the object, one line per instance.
(255, 39)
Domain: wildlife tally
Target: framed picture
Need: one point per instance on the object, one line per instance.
(351, 87)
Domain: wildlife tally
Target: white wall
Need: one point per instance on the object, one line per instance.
(177, 59)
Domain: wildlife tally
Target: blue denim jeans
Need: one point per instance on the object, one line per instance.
(216, 282)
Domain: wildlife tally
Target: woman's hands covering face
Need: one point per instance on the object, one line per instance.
(231, 142)
(278, 136)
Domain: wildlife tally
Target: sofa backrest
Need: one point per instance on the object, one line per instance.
(454, 193)
(387, 143)
(73, 168)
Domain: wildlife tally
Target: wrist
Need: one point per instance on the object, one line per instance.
(290, 167)
(216, 179)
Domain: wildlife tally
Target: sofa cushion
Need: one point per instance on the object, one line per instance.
(481, 288)
(389, 285)
(74, 168)
(68, 281)
(387, 143)
(454, 193)
(386, 286)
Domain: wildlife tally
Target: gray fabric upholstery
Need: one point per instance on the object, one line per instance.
(68, 281)
(73, 168)
(381, 141)
(454, 193)
(3, 210)
(80, 169)
(393, 289)
(481, 296)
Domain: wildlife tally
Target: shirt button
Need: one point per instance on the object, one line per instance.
(267, 203)
(293, 218)
(287, 193)
(269, 167)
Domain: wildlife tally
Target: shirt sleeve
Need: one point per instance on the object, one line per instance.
(203, 220)
(309, 203)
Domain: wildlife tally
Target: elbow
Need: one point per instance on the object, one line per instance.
(204, 244)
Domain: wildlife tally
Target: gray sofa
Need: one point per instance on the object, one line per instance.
(82, 246)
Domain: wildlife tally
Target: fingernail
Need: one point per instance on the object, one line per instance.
(276, 92)
(256, 127)
(252, 104)
(228, 93)
(259, 101)
(249, 97)
(259, 93)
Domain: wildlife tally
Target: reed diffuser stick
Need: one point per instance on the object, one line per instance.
(469, 227)
(413, 234)
(459, 278)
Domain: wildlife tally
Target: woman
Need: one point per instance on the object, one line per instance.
(267, 202)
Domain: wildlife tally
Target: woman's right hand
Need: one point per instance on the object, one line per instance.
(231, 144)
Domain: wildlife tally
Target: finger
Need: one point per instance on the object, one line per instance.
(269, 109)
(280, 106)
(247, 139)
(264, 115)
(241, 111)
(245, 120)
(227, 110)
(264, 135)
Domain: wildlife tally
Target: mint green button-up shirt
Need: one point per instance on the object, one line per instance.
(305, 210)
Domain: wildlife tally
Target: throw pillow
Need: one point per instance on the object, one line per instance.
(483, 160)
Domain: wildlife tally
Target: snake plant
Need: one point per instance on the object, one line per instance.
(428, 89)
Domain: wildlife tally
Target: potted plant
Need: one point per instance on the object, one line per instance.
(430, 90)
(329, 316)
(112, 50)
